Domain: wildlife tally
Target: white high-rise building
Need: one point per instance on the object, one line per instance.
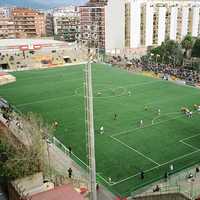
(115, 24)
(142, 23)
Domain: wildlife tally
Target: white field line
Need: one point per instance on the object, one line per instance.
(191, 146)
(172, 113)
(190, 137)
(124, 86)
(111, 88)
(98, 174)
(49, 99)
(44, 100)
(178, 158)
(138, 152)
(48, 76)
(187, 144)
(89, 169)
(60, 143)
(147, 126)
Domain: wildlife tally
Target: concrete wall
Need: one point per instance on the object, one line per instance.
(135, 23)
(149, 25)
(161, 25)
(29, 182)
(115, 24)
(173, 23)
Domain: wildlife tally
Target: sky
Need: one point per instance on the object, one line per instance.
(41, 3)
(60, 1)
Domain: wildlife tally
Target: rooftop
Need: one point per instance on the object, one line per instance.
(60, 193)
(18, 42)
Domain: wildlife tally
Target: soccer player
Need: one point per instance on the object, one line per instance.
(99, 93)
(141, 123)
(129, 93)
(146, 108)
(142, 175)
(55, 124)
(115, 116)
(171, 167)
(70, 150)
(101, 130)
(190, 114)
(158, 111)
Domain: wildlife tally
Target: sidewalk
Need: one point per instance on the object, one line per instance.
(61, 163)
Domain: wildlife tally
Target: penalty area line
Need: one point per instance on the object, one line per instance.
(170, 161)
(138, 152)
(189, 145)
(190, 137)
(44, 100)
(147, 126)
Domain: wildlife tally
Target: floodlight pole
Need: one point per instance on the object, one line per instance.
(90, 130)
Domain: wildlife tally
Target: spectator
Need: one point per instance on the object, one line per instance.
(70, 172)
(156, 189)
(70, 150)
(142, 175)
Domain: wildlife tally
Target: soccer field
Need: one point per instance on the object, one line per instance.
(124, 149)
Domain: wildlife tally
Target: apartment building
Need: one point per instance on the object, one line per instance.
(21, 23)
(100, 2)
(28, 23)
(151, 22)
(92, 25)
(66, 23)
(4, 12)
(49, 24)
(143, 23)
(7, 28)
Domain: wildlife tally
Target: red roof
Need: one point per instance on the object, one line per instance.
(3, 73)
(65, 192)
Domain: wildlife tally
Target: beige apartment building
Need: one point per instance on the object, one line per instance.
(22, 23)
(28, 23)
(7, 28)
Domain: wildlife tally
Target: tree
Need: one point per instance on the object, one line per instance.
(24, 159)
(187, 44)
(196, 48)
(169, 52)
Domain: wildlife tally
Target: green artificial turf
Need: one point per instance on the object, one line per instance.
(125, 149)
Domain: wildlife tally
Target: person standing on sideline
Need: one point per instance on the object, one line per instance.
(141, 123)
(70, 172)
(97, 187)
(70, 150)
(142, 175)
(171, 167)
(166, 176)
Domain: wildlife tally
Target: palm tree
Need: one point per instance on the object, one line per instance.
(187, 43)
